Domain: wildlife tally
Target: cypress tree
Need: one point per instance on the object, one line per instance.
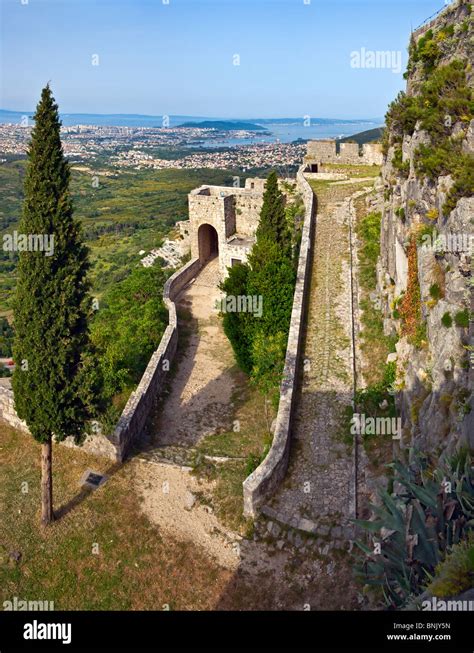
(273, 224)
(238, 327)
(52, 383)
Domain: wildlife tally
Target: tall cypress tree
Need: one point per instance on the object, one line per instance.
(52, 382)
(273, 224)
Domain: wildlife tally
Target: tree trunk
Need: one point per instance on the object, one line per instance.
(47, 514)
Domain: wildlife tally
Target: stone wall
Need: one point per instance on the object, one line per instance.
(247, 210)
(325, 151)
(142, 400)
(372, 154)
(96, 444)
(263, 482)
(237, 249)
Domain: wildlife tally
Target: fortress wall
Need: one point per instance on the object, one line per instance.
(372, 153)
(235, 252)
(205, 209)
(96, 444)
(321, 151)
(7, 407)
(255, 183)
(349, 154)
(130, 425)
(262, 483)
(247, 213)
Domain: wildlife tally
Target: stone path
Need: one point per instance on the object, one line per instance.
(199, 399)
(317, 495)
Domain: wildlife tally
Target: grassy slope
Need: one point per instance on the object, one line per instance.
(137, 567)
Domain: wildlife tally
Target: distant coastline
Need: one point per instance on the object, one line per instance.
(141, 120)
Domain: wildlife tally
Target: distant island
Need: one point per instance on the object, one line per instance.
(225, 125)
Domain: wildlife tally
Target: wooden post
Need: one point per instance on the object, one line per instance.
(47, 515)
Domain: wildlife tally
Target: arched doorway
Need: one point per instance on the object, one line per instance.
(208, 242)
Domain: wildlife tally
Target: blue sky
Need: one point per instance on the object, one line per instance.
(178, 58)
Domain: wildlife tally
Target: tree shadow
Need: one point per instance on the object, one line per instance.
(85, 492)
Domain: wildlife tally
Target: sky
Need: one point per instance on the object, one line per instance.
(218, 58)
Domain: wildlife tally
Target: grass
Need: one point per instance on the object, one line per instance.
(137, 567)
(251, 440)
(354, 171)
(374, 345)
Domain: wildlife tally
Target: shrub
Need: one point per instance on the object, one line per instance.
(417, 527)
(368, 232)
(463, 183)
(238, 326)
(401, 213)
(444, 99)
(462, 319)
(447, 320)
(435, 291)
(456, 573)
(397, 161)
(432, 214)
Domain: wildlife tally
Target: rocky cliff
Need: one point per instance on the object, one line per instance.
(425, 271)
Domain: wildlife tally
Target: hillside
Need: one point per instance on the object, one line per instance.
(369, 136)
(425, 280)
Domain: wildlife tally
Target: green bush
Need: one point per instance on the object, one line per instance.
(447, 320)
(463, 183)
(368, 232)
(238, 326)
(444, 99)
(462, 319)
(456, 573)
(435, 291)
(128, 327)
(397, 161)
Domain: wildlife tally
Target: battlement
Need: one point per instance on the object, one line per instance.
(253, 187)
(331, 151)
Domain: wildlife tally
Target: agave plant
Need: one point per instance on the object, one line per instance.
(413, 530)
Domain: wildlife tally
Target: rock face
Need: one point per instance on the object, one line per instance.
(434, 375)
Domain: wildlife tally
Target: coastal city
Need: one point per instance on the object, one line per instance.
(158, 147)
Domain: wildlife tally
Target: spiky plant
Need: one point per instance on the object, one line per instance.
(414, 530)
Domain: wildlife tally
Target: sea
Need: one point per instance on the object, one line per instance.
(283, 130)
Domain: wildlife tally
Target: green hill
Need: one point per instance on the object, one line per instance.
(369, 136)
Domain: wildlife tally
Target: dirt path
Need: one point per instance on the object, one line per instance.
(200, 399)
(272, 569)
